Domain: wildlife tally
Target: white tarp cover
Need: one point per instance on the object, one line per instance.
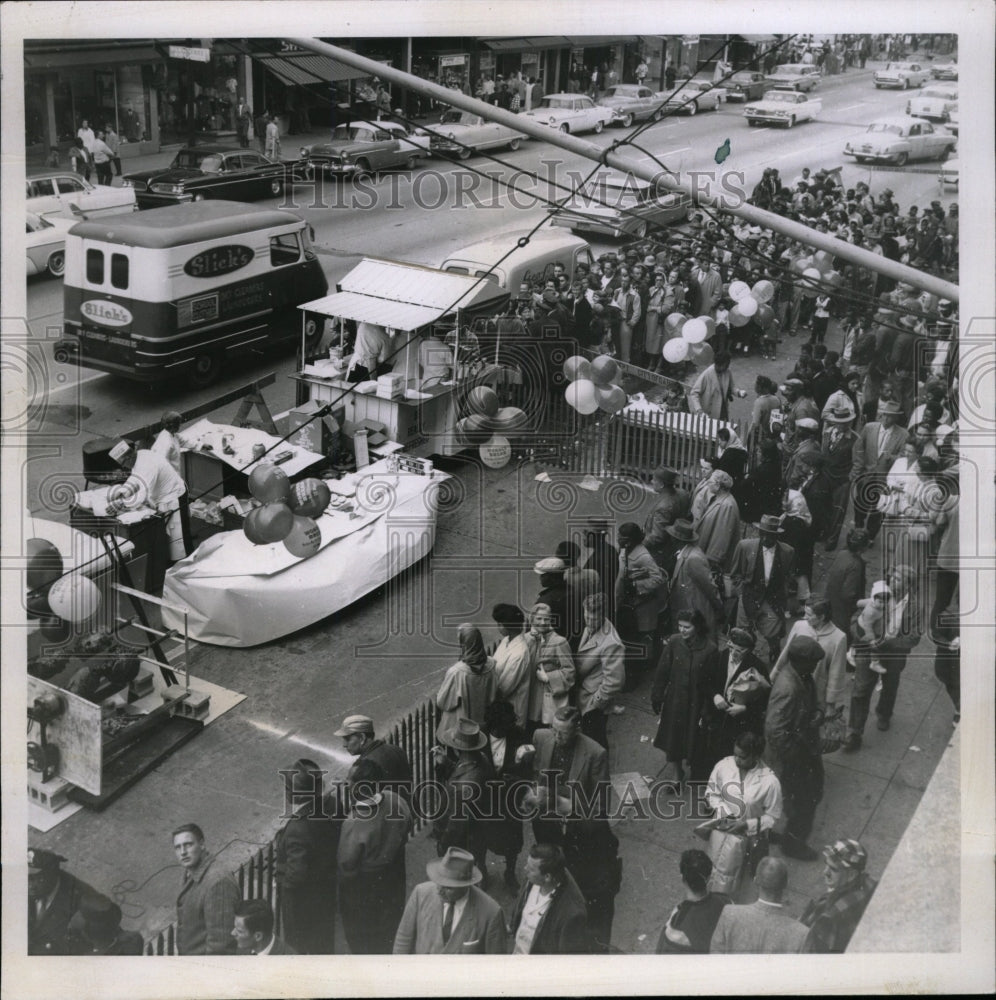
(240, 594)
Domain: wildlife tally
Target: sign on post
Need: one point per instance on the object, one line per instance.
(185, 52)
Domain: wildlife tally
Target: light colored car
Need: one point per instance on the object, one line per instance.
(630, 103)
(359, 149)
(898, 140)
(783, 107)
(797, 76)
(902, 74)
(619, 204)
(62, 192)
(45, 244)
(464, 133)
(944, 70)
(745, 85)
(949, 174)
(415, 141)
(570, 113)
(935, 102)
(695, 96)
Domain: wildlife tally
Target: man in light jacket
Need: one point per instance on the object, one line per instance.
(600, 669)
(713, 390)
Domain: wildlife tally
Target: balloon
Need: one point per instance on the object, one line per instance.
(765, 317)
(833, 278)
(44, 563)
(268, 483)
(581, 395)
(304, 538)
(822, 261)
(694, 331)
(674, 323)
(812, 273)
(250, 527)
(738, 289)
(702, 354)
(810, 287)
(603, 370)
(763, 290)
(509, 418)
(483, 400)
(310, 497)
(74, 598)
(577, 367)
(475, 428)
(496, 453)
(274, 521)
(612, 398)
(710, 325)
(801, 263)
(737, 318)
(748, 305)
(675, 350)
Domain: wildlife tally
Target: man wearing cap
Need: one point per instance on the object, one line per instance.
(449, 914)
(833, 917)
(641, 596)
(692, 584)
(763, 574)
(513, 660)
(205, 907)
(838, 455)
(794, 748)
(807, 445)
(95, 929)
(877, 446)
(799, 405)
(672, 503)
(304, 862)
(54, 896)
(378, 763)
(713, 390)
(553, 590)
(764, 927)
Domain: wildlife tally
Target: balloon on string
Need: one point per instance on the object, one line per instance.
(612, 398)
(603, 370)
(801, 263)
(274, 521)
(310, 497)
(476, 428)
(737, 317)
(765, 316)
(676, 350)
(44, 563)
(496, 453)
(577, 367)
(268, 483)
(822, 261)
(304, 538)
(710, 325)
(694, 331)
(673, 323)
(763, 290)
(483, 400)
(581, 395)
(509, 418)
(251, 529)
(738, 289)
(74, 598)
(702, 354)
(748, 305)
(810, 287)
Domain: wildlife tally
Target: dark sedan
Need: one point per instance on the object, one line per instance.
(745, 85)
(201, 172)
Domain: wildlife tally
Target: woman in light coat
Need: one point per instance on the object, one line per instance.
(468, 687)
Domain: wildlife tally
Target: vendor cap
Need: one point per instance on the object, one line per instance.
(803, 649)
(550, 565)
(40, 860)
(355, 724)
(846, 854)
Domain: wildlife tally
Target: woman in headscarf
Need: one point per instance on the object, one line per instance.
(732, 454)
(470, 685)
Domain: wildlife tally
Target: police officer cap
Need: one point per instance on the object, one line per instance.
(40, 860)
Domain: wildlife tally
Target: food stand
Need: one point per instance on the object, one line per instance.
(416, 407)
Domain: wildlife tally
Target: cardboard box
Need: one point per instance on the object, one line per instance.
(317, 435)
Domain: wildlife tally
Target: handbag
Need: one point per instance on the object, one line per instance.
(748, 687)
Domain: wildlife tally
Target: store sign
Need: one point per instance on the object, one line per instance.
(105, 313)
(689, 39)
(185, 52)
(218, 260)
(445, 61)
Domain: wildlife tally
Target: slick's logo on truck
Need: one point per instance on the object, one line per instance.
(218, 260)
(105, 313)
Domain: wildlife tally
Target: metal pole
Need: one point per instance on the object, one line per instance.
(752, 214)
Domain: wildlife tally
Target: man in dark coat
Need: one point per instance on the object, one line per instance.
(603, 558)
(845, 582)
(672, 502)
(378, 763)
(793, 745)
(95, 929)
(54, 896)
(550, 917)
(304, 863)
(243, 119)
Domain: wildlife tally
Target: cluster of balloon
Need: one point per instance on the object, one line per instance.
(687, 338)
(592, 385)
(481, 426)
(310, 497)
(288, 512)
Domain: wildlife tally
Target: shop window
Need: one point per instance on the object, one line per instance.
(119, 270)
(95, 267)
(284, 249)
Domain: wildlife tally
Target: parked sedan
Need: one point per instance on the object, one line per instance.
(944, 70)
(899, 140)
(570, 113)
(469, 133)
(45, 244)
(619, 204)
(695, 96)
(210, 171)
(359, 149)
(745, 85)
(902, 74)
(631, 103)
(783, 107)
(935, 102)
(796, 76)
(62, 192)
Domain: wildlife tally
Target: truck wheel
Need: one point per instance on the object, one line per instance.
(57, 264)
(205, 371)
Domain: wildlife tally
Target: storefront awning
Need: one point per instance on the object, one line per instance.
(597, 41)
(403, 297)
(308, 68)
(555, 42)
(756, 39)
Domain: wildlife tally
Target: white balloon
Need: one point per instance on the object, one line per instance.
(738, 289)
(748, 305)
(694, 331)
(582, 396)
(496, 453)
(675, 350)
(74, 598)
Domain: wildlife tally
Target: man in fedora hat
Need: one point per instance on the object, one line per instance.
(449, 914)
(95, 929)
(838, 454)
(53, 897)
(692, 584)
(672, 502)
(763, 573)
(379, 763)
(877, 446)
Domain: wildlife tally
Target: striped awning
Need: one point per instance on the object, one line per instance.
(302, 69)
